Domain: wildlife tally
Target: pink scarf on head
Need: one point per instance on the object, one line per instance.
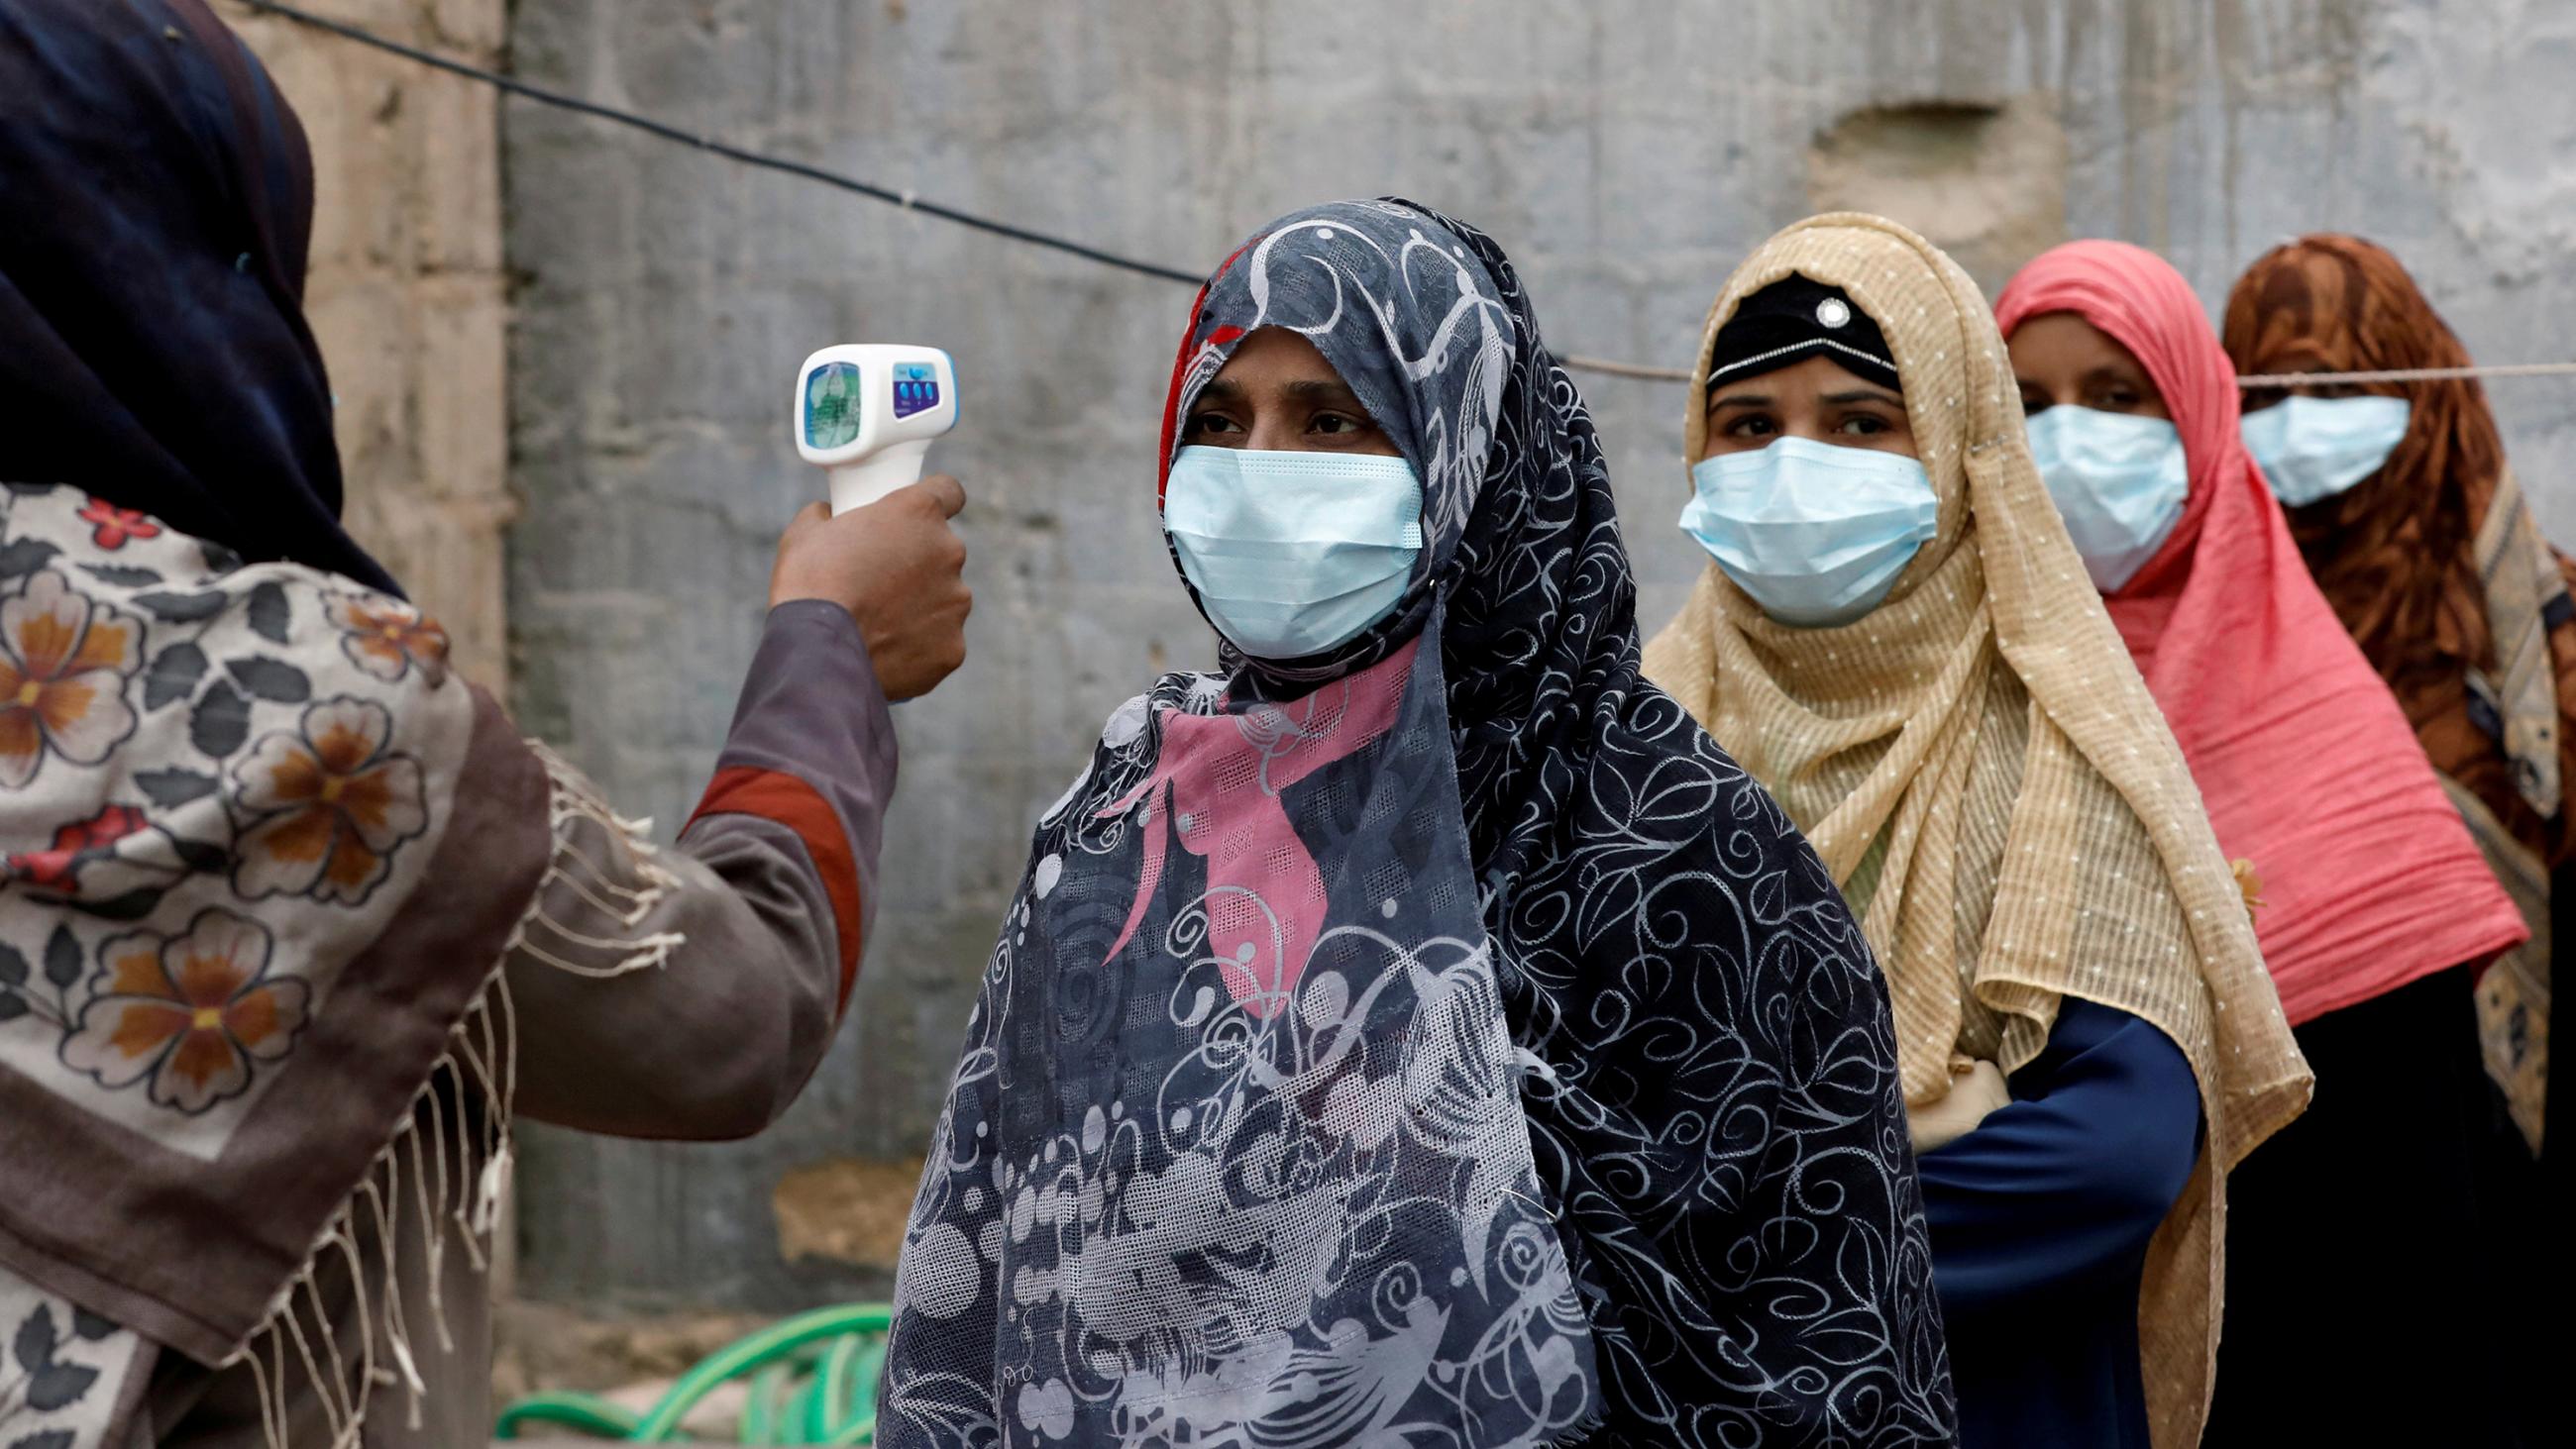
(2309, 770)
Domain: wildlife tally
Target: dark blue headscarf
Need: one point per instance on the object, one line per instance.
(1437, 1041)
(156, 202)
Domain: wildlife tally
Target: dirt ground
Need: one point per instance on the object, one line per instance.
(549, 1346)
(846, 1214)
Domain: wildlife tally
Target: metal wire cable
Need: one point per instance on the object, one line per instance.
(1607, 367)
(2408, 374)
(763, 160)
(1642, 371)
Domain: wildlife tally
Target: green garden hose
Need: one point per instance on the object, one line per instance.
(578, 1412)
(813, 1381)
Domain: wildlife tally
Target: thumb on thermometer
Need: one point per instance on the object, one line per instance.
(946, 491)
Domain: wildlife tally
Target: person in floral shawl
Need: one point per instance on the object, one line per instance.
(292, 921)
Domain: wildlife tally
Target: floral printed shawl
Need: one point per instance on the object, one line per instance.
(259, 856)
(1443, 1042)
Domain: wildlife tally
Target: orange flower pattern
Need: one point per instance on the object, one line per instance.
(181, 734)
(65, 661)
(190, 1015)
(332, 805)
(387, 638)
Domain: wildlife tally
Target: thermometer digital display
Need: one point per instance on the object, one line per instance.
(868, 412)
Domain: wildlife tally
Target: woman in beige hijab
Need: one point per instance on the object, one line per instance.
(1899, 640)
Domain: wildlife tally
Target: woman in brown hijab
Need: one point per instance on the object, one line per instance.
(2433, 563)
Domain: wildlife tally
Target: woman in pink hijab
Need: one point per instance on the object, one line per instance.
(2353, 1274)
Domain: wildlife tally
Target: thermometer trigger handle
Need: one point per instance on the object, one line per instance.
(856, 485)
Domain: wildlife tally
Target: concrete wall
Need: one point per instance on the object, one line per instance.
(1627, 152)
(407, 294)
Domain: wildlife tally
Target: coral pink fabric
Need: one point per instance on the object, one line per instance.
(2309, 769)
(1226, 772)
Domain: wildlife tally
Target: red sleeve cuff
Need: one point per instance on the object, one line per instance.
(789, 801)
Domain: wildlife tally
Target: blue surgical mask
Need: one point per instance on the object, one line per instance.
(1815, 534)
(1293, 554)
(2120, 482)
(2312, 448)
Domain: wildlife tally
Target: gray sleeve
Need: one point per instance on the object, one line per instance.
(689, 992)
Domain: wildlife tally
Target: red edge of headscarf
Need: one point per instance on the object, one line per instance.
(1181, 360)
(2304, 761)
(789, 801)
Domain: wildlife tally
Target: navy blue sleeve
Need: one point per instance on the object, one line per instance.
(2065, 1186)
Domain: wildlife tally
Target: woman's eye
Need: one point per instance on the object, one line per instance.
(1334, 425)
(2117, 399)
(1755, 427)
(1202, 424)
(2033, 404)
(1862, 425)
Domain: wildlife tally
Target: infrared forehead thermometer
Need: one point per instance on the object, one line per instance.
(867, 412)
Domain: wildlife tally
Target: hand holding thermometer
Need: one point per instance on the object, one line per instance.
(867, 412)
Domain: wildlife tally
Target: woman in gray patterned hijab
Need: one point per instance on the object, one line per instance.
(1433, 1038)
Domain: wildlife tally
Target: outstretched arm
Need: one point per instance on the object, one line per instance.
(689, 992)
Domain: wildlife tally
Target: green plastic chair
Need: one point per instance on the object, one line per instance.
(813, 1380)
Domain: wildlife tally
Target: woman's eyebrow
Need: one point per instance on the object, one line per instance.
(1741, 400)
(1317, 390)
(1861, 395)
(1222, 390)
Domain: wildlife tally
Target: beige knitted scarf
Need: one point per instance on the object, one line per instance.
(1981, 767)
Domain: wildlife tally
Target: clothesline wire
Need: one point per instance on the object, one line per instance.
(2408, 374)
(1642, 371)
(1646, 372)
(668, 132)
